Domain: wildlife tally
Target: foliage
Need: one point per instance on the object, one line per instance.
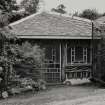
(25, 85)
(1, 70)
(31, 54)
(6, 33)
(27, 81)
(76, 13)
(41, 84)
(17, 16)
(30, 6)
(60, 9)
(8, 5)
(12, 53)
(91, 14)
(6, 36)
(103, 14)
(7, 15)
(28, 60)
(4, 19)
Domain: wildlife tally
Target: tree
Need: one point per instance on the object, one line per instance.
(17, 16)
(3, 19)
(91, 14)
(76, 13)
(103, 14)
(8, 5)
(30, 6)
(6, 11)
(60, 9)
(6, 36)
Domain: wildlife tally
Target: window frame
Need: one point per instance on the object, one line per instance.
(73, 55)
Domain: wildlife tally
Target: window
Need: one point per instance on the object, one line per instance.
(85, 55)
(53, 54)
(72, 55)
(77, 55)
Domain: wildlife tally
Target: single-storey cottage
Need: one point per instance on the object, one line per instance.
(67, 41)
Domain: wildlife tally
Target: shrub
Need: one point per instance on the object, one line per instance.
(29, 60)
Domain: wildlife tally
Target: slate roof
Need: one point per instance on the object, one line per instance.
(47, 25)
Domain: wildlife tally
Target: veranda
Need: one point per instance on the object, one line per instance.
(65, 58)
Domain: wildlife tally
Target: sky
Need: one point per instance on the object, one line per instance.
(75, 5)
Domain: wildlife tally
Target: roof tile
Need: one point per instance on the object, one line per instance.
(50, 24)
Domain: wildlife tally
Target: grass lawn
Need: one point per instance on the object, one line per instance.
(55, 94)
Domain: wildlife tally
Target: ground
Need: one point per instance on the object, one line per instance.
(84, 94)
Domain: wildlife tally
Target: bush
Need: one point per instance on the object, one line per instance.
(24, 85)
(42, 84)
(29, 59)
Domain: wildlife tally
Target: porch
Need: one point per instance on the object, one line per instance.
(66, 59)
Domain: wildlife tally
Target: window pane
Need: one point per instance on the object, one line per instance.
(78, 54)
(73, 59)
(69, 55)
(48, 53)
(52, 53)
(88, 55)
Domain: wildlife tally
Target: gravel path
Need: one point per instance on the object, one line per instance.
(61, 95)
(90, 100)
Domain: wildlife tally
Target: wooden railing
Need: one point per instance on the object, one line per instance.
(51, 75)
(78, 71)
(78, 74)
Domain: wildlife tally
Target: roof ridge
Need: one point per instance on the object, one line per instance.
(73, 17)
(82, 19)
(53, 13)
